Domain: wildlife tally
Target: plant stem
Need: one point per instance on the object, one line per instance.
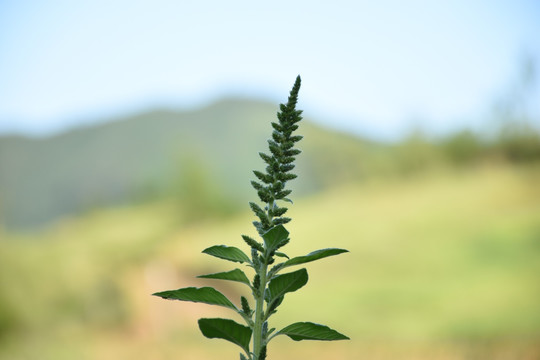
(259, 314)
(259, 311)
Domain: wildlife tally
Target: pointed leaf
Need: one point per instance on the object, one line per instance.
(280, 254)
(310, 331)
(230, 253)
(275, 236)
(282, 284)
(233, 275)
(228, 330)
(205, 295)
(312, 256)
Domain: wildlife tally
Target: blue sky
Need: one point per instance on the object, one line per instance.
(375, 67)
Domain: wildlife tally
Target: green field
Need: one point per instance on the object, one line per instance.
(443, 265)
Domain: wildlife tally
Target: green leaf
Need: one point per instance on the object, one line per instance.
(310, 331)
(274, 237)
(233, 275)
(312, 256)
(230, 253)
(205, 295)
(280, 254)
(228, 330)
(282, 284)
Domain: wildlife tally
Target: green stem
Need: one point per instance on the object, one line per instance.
(259, 314)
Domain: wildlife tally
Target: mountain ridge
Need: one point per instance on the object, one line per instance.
(115, 161)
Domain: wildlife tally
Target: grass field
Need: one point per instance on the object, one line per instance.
(441, 266)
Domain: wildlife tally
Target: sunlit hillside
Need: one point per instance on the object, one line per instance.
(442, 265)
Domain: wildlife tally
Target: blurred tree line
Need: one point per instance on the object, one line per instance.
(513, 144)
(511, 133)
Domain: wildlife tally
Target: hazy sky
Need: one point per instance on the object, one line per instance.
(376, 67)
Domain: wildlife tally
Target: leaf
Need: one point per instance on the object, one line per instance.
(233, 275)
(310, 331)
(282, 284)
(230, 253)
(312, 256)
(207, 295)
(226, 329)
(274, 237)
(280, 254)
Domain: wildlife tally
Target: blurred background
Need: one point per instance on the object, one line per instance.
(129, 129)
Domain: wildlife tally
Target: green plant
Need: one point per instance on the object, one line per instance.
(269, 285)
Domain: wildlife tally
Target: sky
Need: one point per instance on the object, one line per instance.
(378, 68)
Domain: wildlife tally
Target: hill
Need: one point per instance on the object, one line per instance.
(201, 157)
